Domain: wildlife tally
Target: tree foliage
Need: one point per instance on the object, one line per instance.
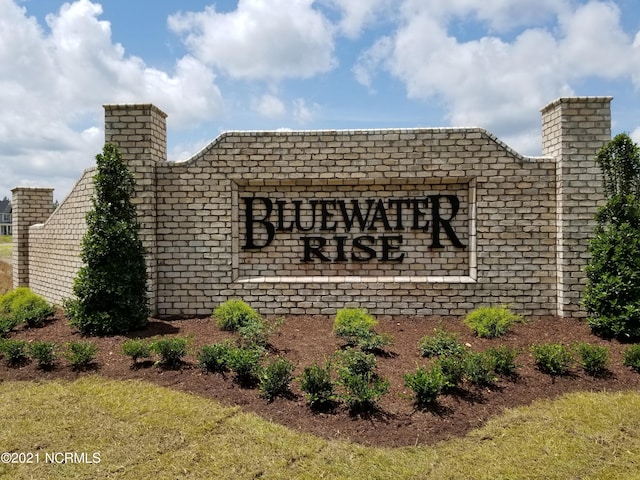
(110, 288)
(612, 294)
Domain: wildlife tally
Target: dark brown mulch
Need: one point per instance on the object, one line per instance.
(305, 340)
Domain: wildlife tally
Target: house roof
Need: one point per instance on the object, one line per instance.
(5, 206)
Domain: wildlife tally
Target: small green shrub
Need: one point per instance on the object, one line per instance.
(594, 359)
(6, 325)
(15, 351)
(245, 363)
(491, 322)
(215, 357)
(452, 367)
(442, 343)
(81, 354)
(504, 359)
(44, 353)
(427, 384)
(171, 351)
(316, 383)
(23, 306)
(362, 387)
(275, 378)
(553, 358)
(136, 348)
(479, 369)
(355, 326)
(233, 314)
(631, 357)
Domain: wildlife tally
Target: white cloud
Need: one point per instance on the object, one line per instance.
(53, 83)
(501, 83)
(356, 15)
(261, 39)
(270, 106)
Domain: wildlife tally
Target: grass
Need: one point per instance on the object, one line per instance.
(143, 431)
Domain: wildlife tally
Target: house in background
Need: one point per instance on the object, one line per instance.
(5, 216)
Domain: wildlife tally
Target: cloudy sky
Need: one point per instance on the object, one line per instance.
(299, 64)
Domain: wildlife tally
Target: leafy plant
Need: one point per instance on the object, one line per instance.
(245, 363)
(442, 343)
(452, 367)
(362, 387)
(504, 359)
(355, 326)
(171, 350)
(631, 357)
(44, 353)
(275, 378)
(553, 358)
(110, 290)
(24, 306)
(81, 354)
(491, 322)
(427, 384)
(316, 383)
(594, 359)
(15, 351)
(215, 357)
(136, 348)
(612, 294)
(235, 313)
(479, 369)
(7, 324)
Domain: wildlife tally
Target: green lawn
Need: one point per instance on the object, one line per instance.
(6, 247)
(141, 431)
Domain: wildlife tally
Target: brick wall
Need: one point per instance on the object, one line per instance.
(269, 217)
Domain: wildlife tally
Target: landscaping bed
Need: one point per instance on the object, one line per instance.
(308, 339)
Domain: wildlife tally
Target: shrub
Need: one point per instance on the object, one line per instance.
(317, 385)
(427, 384)
(612, 294)
(233, 314)
(442, 343)
(44, 353)
(136, 348)
(23, 306)
(355, 326)
(15, 351)
(552, 358)
(504, 359)
(214, 357)
(479, 369)
(171, 350)
(81, 354)
(491, 322)
(275, 378)
(594, 359)
(452, 367)
(362, 387)
(6, 325)
(110, 290)
(631, 357)
(245, 363)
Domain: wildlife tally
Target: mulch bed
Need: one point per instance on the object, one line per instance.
(308, 339)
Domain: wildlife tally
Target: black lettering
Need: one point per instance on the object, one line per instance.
(250, 221)
(315, 249)
(380, 214)
(297, 204)
(398, 204)
(438, 221)
(391, 243)
(356, 213)
(281, 228)
(340, 247)
(369, 253)
(326, 215)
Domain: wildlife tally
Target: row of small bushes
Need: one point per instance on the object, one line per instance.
(80, 354)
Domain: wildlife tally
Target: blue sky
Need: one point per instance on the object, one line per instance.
(299, 64)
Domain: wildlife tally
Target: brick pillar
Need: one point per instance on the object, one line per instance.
(573, 131)
(139, 131)
(30, 206)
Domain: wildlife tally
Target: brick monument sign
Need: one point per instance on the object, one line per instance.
(429, 221)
